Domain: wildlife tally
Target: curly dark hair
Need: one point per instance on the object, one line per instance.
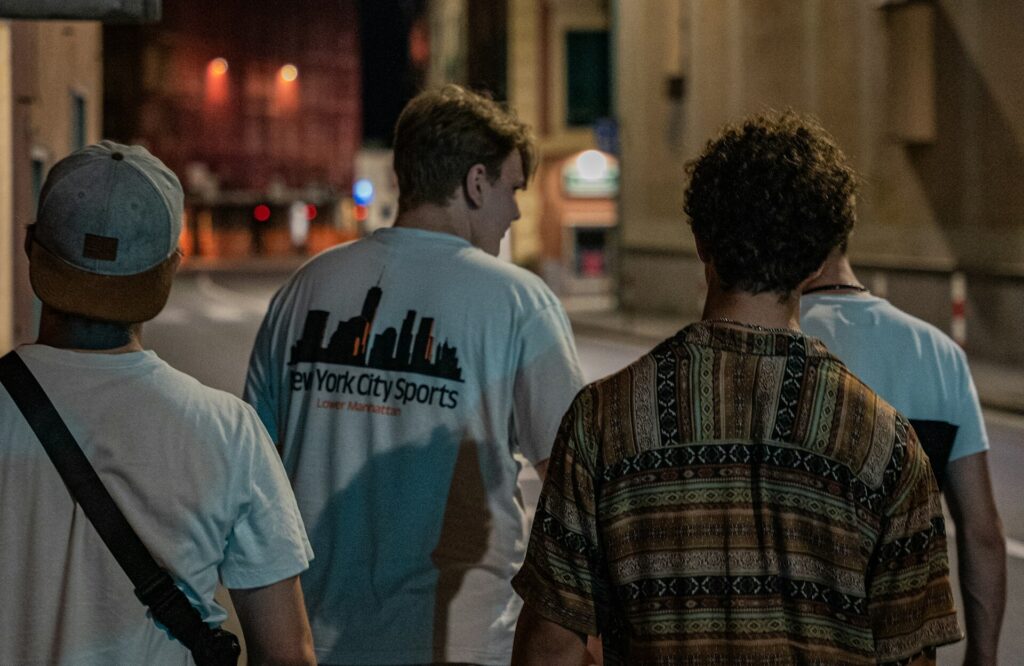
(768, 200)
(442, 133)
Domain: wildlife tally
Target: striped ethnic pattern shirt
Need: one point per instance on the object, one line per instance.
(738, 497)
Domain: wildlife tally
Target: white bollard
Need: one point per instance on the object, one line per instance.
(880, 285)
(958, 300)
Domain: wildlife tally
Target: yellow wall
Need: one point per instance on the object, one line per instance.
(537, 46)
(70, 60)
(49, 62)
(6, 208)
(524, 95)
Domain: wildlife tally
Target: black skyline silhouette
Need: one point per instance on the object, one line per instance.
(392, 350)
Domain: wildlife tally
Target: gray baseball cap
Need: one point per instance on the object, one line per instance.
(105, 241)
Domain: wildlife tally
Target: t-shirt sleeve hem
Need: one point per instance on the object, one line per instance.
(967, 452)
(248, 578)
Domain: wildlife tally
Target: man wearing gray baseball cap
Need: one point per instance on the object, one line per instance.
(191, 468)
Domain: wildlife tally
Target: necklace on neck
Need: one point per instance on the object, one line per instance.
(756, 327)
(837, 287)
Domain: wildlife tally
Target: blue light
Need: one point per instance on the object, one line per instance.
(362, 192)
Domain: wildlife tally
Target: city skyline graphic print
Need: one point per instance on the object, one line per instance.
(393, 349)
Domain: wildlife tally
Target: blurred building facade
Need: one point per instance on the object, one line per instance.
(550, 60)
(926, 97)
(51, 80)
(251, 103)
(556, 47)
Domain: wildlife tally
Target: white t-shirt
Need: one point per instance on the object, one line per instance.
(190, 467)
(399, 374)
(913, 365)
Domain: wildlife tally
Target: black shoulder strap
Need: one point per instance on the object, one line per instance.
(153, 586)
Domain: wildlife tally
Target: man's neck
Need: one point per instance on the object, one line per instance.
(431, 217)
(835, 272)
(738, 308)
(64, 331)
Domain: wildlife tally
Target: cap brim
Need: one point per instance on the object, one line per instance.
(120, 298)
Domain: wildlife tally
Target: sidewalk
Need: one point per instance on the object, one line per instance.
(1000, 386)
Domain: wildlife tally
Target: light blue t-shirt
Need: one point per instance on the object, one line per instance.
(913, 365)
(194, 473)
(399, 374)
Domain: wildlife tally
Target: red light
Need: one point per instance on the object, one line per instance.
(310, 212)
(359, 212)
(261, 213)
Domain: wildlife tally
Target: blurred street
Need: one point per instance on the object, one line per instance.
(211, 320)
(280, 126)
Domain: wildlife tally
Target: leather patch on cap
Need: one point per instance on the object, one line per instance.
(103, 248)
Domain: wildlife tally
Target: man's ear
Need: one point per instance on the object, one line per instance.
(473, 185)
(28, 239)
(702, 253)
(806, 282)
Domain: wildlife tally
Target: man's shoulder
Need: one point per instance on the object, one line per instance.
(636, 381)
(879, 318)
(179, 390)
(502, 274)
(899, 319)
(157, 392)
(331, 259)
(871, 435)
(469, 268)
(910, 361)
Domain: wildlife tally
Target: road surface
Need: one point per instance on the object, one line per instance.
(211, 320)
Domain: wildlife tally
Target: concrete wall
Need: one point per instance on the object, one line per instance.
(6, 183)
(926, 98)
(51, 61)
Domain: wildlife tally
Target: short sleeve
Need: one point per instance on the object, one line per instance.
(268, 541)
(910, 601)
(562, 577)
(546, 379)
(971, 436)
(262, 378)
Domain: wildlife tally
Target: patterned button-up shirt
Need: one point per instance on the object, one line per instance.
(740, 498)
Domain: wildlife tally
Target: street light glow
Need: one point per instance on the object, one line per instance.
(218, 67)
(289, 72)
(362, 192)
(592, 165)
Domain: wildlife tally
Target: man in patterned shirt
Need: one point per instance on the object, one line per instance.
(737, 496)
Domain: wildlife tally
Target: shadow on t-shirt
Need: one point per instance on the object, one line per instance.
(392, 549)
(464, 536)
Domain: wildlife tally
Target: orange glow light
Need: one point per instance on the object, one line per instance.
(289, 72)
(218, 67)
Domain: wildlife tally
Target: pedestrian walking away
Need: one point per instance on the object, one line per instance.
(398, 375)
(924, 374)
(191, 469)
(737, 496)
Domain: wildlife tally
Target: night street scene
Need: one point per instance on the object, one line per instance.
(580, 269)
